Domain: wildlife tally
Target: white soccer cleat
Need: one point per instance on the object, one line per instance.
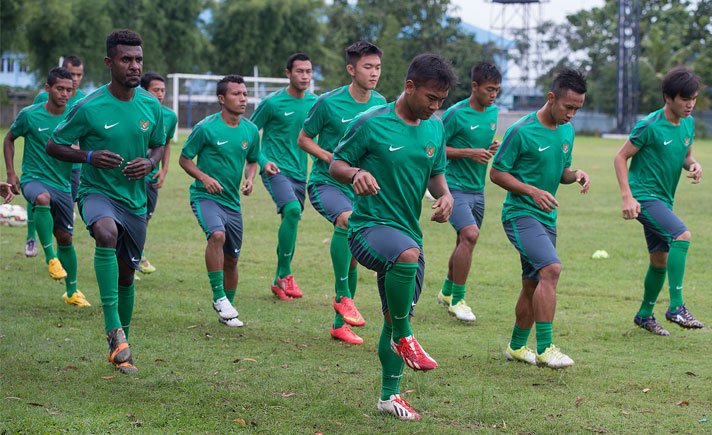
(225, 308)
(231, 322)
(398, 407)
(462, 311)
(554, 358)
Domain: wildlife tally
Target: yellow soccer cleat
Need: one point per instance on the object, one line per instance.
(523, 354)
(77, 299)
(56, 271)
(145, 267)
(445, 300)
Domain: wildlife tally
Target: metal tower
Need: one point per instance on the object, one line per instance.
(627, 58)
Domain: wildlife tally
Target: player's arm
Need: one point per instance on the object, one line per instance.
(576, 176)
(248, 184)
(364, 183)
(8, 150)
(631, 207)
(142, 166)
(543, 199)
(479, 155)
(693, 167)
(102, 159)
(211, 185)
(308, 144)
(437, 185)
(161, 174)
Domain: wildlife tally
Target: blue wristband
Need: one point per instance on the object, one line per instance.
(89, 156)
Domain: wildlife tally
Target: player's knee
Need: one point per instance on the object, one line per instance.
(43, 199)
(63, 238)
(410, 255)
(230, 262)
(343, 219)
(292, 211)
(550, 272)
(217, 238)
(687, 235)
(469, 235)
(105, 233)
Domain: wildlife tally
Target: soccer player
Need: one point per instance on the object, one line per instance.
(534, 158)
(328, 119)
(156, 85)
(659, 147)
(45, 181)
(281, 115)
(224, 143)
(120, 132)
(469, 129)
(390, 155)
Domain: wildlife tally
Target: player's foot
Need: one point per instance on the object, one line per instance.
(554, 358)
(684, 318)
(119, 351)
(145, 267)
(126, 367)
(348, 311)
(462, 311)
(278, 288)
(650, 324)
(412, 354)
(291, 288)
(77, 299)
(523, 354)
(56, 271)
(345, 334)
(31, 248)
(398, 407)
(225, 308)
(445, 300)
(231, 322)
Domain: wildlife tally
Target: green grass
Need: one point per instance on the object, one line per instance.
(282, 373)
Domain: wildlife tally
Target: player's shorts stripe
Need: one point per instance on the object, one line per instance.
(657, 225)
(519, 241)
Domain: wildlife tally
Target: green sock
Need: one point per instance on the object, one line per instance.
(30, 221)
(353, 281)
(447, 287)
(68, 257)
(216, 284)
(543, 336)
(654, 281)
(458, 293)
(338, 321)
(143, 254)
(391, 364)
(519, 337)
(107, 277)
(44, 224)
(676, 271)
(340, 258)
(126, 303)
(400, 288)
(230, 295)
(287, 237)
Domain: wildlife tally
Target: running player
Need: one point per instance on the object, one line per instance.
(391, 154)
(120, 131)
(156, 85)
(281, 115)
(328, 119)
(659, 147)
(45, 181)
(224, 143)
(469, 129)
(534, 158)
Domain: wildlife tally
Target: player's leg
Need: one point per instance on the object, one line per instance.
(517, 349)
(231, 253)
(151, 200)
(40, 195)
(63, 215)
(30, 243)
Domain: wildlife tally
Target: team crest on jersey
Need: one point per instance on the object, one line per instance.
(493, 126)
(144, 125)
(430, 150)
(566, 147)
(244, 145)
(687, 141)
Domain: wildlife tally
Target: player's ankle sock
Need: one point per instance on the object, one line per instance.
(126, 304)
(458, 293)
(340, 258)
(543, 336)
(230, 295)
(68, 257)
(30, 221)
(400, 287)
(447, 287)
(519, 337)
(353, 281)
(216, 284)
(338, 321)
(44, 224)
(287, 237)
(653, 283)
(676, 271)
(143, 254)
(391, 364)
(107, 276)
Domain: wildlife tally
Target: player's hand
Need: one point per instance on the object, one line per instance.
(365, 184)
(494, 147)
(583, 179)
(631, 208)
(6, 191)
(211, 185)
(544, 200)
(481, 155)
(695, 173)
(270, 168)
(137, 168)
(14, 182)
(443, 208)
(159, 177)
(104, 159)
(247, 187)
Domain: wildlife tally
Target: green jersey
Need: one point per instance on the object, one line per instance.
(169, 127)
(537, 156)
(328, 119)
(36, 125)
(467, 128)
(100, 121)
(662, 147)
(402, 158)
(280, 116)
(222, 151)
(44, 96)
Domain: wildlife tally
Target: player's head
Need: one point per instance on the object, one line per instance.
(486, 80)
(363, 63)
(232, 94)
(567, 94)
(680, 89)
(59, 85)
(427, 84)
(124, 57)
(299, 71)
(155, 84)
(75, 66)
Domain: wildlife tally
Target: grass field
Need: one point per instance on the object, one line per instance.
(282, 372)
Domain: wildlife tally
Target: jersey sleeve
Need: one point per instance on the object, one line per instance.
(440, 158)
(73, 127)
(570, 154)
(315, 121)
(158, 135)
(253, 154)
(170, 120)
(262, 113)
(450, 125)
(640, 134)
(508, 153)
(194, 144)
(353, 145)
(19, 127)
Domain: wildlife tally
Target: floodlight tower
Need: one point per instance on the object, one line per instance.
(627, 66)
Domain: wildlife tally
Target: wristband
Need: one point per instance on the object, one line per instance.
(89, 156)
(354, 176)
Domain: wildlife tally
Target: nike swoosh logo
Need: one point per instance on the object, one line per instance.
(346, 120)
(400, 318)
(223, 143)
(46, 246)
(42, 129)
(287, 113)
(472, 128)
(395, 149)
(542, 149)
(135, 260)
(667, 142)
(679, 287)
(70, 227)
(106, 126)
(344, 278)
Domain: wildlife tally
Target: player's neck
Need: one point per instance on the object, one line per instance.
(670, 115)
(476, 104)
(294, 92)
(122, 93)
(403, 112)
(53, 109)
(358, 93)
(545, 118)
(229, 118)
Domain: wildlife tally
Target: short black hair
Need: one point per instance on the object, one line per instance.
(230, 78)
(430, 67)
(359, 49)
(121, 37)
(568, 79)
(484, 72)
(296, 56)
(680, 81)
(72, 60)
(150, 76)
(58, 72)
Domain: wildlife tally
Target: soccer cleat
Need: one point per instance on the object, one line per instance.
(398, 407)
(31, 248)
(145, 267)
(650, 324)
(462, 311)
(225, 308)
(56, 271)
(345, 334)
(445, 300)
(126, 367)
(523, 354)
(684, 318)
(231, 322)
(291, 288)
(119, 351)
(348, 311)
(77, 299)
(412, 354)
(279, 290)
(554, 358)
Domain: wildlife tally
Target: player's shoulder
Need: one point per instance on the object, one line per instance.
(249, 125)
(523, 125)
(32, 109)
(453, 110)
(378, 96)
(328, 97)
(145, 97)
(273, 97)
(650, 120)
(206, 124)
(168, 113)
